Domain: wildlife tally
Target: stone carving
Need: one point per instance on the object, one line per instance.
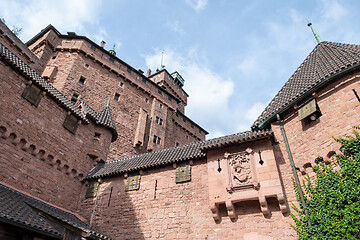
(240, 175)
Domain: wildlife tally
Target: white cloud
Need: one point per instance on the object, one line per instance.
(197, 5)
(333, 10)
(34, 15)
(175, 27)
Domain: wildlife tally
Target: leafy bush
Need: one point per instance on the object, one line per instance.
(333, 200)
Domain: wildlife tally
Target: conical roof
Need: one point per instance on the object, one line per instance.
(104, 117)
(326, 61)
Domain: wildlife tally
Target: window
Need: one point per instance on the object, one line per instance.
(169, 98)
(146, 100)
(176, 144)
(116, 96)
(121, 84)
(160, 105)
(32, 93)
(161, 121)
(74, 98)
(128, 69)
(159, 91)
(183, 172)
(97, 135)
(82, 80)
(111, 59)
(157, 119)
(91, 191)
(93, 47)
(133, 182)
(71, 123)
(86, 65)
(144, 80)
(54, 57)
(156, 140)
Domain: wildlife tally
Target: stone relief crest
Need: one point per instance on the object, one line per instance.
(240, 174)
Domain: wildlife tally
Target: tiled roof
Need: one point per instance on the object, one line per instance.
(327, 60)
(21, 210)
(104, 117)
(24, 69)
(190, 151)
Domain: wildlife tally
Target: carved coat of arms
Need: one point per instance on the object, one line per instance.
(241, 173)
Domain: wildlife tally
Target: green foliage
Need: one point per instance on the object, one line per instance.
(333, 200)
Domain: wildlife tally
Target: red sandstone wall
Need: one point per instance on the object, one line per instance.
(340, 111)
(74, 58)
(162, 209)
(40, 156)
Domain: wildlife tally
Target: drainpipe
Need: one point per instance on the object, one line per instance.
(297, 181)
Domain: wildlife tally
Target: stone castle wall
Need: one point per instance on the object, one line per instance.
(40, 156)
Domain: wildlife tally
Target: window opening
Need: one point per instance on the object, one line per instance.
(32, 93)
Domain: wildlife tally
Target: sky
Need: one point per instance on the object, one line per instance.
(234, 55)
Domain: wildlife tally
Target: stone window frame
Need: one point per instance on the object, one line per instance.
(31, 96)
(82, 80)
(116, 96)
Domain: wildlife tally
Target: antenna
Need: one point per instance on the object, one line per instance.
(162, 57)
(317, 37)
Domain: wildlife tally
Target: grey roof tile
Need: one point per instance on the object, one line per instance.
(320, 65)
(192, 151)
(19, 209)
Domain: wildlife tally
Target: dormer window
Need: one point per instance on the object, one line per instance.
(32, 93)
(71, 123)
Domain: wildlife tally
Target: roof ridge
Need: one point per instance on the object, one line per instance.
(319, 67)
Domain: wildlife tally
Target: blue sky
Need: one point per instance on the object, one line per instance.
(234, 54)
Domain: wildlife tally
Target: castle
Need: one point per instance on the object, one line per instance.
(92, 148)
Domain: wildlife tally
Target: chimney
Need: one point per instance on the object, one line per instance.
(148, 73)
(102, 44)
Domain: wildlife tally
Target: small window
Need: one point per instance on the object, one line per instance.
(97, 135)
(71, 123)
(86, 65)
(161, 121)
(144, 80)
(128, 69)
(155, 139)
(82, 80)
(32, 93)
(160, 105)
(169, 98)
(116, 96)
(111, 59)
(91, 190)
(74, 98)
(121, 84)
(146, 100)
(159, 91)
(183, 172)
(177, 144)
(157, 120)
(184, 119)
(133, 182)
(54, 57)
(192, 126)
(158, 140)
(93, 47)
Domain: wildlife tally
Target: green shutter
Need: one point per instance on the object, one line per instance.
(71, 123)
(307, 109)
(133, 182)
(92, 189)
(183, 172)
(33, 94)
